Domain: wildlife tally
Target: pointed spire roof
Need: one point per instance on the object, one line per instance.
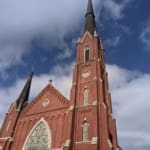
(90, 24)
(90, 6)
(24, 95)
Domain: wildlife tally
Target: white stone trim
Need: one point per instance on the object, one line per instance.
(100, 80)
(8, 124)
(10, 108)
(81, 142)
(95, 34)
(85, 86)
(85, 119)
(112, 116)
(104, 105)
(94, 103)
(94, 140)
(86, 33)
(95, 78)
(71, 107)
(86, 74)
(110, 144)
(99, 59)
(67, 143)
(7, 138)
(89, 105)
(45, 102)
(49, 133)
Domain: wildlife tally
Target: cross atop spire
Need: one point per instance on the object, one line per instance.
(24, 96)
(90, 24)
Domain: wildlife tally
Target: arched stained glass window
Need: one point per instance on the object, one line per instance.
(38, 140)
(85, 131)
(85, 96)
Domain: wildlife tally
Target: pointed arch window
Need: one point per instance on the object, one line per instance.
(38, 139)
(87, 54)
(86, 96)
(85, 127)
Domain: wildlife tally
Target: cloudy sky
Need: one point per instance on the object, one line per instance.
(41, 36)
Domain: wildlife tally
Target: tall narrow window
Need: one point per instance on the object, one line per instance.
(85, 131)
(87, 54)
(85, 96)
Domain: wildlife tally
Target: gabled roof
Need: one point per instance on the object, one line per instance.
(55, 100)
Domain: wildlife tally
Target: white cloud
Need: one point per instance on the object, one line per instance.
(62, 79)
(22, 22)
(66, 53)
(48, 22)
(112, 42)
(130, 97)
(115, 9)
(145, 35)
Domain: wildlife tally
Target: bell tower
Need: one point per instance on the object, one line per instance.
(93, 125)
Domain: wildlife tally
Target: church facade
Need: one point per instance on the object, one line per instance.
(51, 121)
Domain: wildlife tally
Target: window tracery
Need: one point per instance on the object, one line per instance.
(38, 140)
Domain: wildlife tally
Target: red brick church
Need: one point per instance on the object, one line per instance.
(53, 122)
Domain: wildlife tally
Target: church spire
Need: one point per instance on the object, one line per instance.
(24, 96)
(90, 24)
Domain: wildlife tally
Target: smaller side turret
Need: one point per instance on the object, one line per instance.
(12, 116)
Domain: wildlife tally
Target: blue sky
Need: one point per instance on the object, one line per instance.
(41, 36)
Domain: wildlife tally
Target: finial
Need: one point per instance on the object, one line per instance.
(31, 74)
(50, 81)
(95, 34)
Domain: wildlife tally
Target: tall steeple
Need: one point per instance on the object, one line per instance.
(24, 96)
(90, 24)
(93, 125)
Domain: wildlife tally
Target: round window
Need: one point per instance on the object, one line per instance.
(45, 102)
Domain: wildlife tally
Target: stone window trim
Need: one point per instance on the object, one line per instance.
(45, 102)
(8, 125)
(85, 131)
(10, 108)
(92, 141)
(42, 120)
